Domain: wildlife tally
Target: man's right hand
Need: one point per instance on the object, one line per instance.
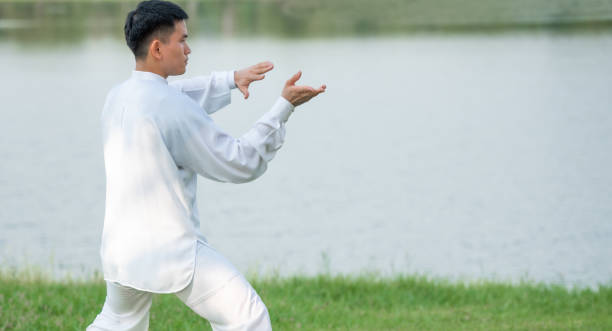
(298, 95)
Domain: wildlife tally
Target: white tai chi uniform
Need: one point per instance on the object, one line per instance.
(157, 138)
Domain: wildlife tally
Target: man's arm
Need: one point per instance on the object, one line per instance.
(211, 92)
(197, 143)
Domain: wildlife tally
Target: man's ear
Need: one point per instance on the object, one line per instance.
(154, 49)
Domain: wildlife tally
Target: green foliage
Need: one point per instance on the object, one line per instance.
(29, 301)
(54, 23)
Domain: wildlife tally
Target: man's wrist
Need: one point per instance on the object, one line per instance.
(231, 79)
(288, 102)
(287, 106)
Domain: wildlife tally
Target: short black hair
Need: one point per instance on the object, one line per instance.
(150, 18)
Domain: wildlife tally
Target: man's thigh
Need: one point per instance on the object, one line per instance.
(125, 308)
(222, 295)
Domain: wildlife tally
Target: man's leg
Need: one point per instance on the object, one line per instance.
(223, 296)
(125, 308)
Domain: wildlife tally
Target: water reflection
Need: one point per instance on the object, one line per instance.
(70, 22)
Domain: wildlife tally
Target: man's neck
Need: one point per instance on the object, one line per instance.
(143, 66)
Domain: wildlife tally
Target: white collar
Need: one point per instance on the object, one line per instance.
(148, 76)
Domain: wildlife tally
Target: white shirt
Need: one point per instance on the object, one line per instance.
(157, 138)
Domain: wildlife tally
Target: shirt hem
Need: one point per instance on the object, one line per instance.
(180, 288)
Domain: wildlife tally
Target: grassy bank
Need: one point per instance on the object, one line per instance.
(331, 302)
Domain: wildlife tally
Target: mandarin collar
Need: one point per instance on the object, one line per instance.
(148, 76)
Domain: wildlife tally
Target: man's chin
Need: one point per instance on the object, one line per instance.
(178, 72)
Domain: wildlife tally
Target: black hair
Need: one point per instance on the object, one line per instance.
(150, 18)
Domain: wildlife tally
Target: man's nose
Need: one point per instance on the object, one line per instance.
(187, 49)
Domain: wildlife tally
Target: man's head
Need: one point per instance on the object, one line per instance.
(155, 32)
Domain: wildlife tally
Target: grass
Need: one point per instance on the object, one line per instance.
(30, 301)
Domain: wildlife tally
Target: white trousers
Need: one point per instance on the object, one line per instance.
(218, 293)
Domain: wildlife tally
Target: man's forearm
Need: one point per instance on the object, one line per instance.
(211, 92)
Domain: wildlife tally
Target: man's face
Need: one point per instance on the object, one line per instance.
(175, 50)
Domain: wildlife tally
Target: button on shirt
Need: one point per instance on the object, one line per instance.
(158, 137)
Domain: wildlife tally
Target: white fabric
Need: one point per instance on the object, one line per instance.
(218, 293)
(208, 91)
(157, 138)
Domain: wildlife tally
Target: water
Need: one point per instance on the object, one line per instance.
(462, 156)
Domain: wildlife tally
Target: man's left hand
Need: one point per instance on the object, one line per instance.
(244, 77)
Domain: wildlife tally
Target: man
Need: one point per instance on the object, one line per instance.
(158, 137)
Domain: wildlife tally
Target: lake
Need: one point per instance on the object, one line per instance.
(457, 155)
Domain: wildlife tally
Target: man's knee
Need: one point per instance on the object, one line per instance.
(260, 320)
(252, 316)
(124, 309)
(235, 306)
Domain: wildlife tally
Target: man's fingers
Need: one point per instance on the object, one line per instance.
(300, 94)
(259, 77)
(265, 64)
(294, 78)
(263, 67)
(244, 91)
(312, 90)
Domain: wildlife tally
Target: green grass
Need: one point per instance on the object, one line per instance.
(30, 301)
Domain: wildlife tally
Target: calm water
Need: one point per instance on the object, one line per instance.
(466, 156)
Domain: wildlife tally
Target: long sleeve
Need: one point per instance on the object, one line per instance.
(156, 138)
(211, 92)
(196, 142)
